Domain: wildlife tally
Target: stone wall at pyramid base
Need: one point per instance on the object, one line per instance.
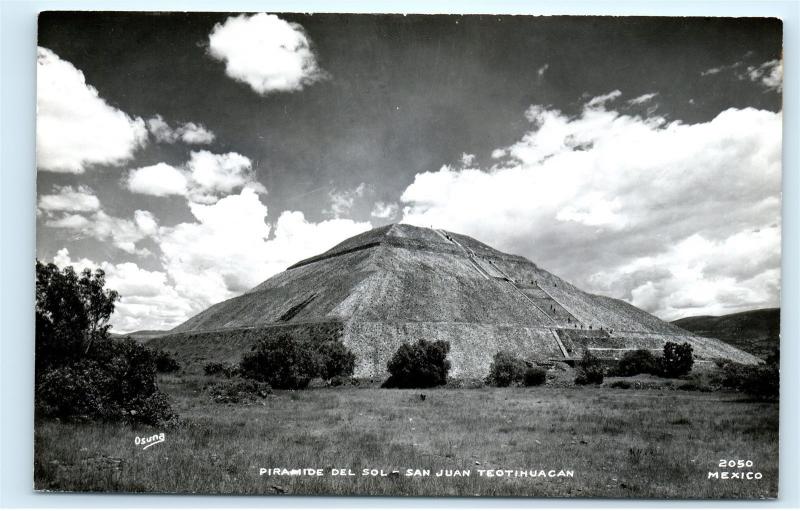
(472, 346)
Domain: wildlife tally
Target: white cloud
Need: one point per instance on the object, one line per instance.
(121, 232)
(769, 74)
(644, 98)
(342, 201)
(203, 178)
(604, 193)
(75, 127)
(599, 101)
(467, 159)
(147, 300)
(265, 52)
(209, 261)
(67, 198)
(188, 132)
(385, 210)
(160, 180)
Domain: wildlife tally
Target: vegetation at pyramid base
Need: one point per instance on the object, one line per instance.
(506, 370)
(638, 362)
(677, 360)
(423, 364)
(287, 363)
(590, 370)
(760, 382)
(81, 373)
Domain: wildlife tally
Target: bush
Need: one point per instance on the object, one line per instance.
(590, 370)
(165, 362)
(219, 368)
(506, 369)
(336, 361)
(758, 381)
(116, 383)
(534, 376)
(621, 384)
(285, 363)
(638, 362)
(238, 391)
(421, 365)
(677, 360)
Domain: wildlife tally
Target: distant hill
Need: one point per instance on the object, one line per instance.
(756, 332)
(142, 335)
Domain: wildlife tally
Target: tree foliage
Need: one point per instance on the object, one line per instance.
(505, 370)
(638, 362)
(589, 370)
(286, 363)
(423, 364)
(80, 371)
(677, 360)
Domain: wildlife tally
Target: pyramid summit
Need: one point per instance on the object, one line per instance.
(399, 283)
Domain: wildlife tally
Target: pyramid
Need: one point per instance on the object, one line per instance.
(400, 283)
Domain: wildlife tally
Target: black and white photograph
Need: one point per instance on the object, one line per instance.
(396, 255)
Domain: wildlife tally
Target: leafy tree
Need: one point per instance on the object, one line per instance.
(80, 371)
(420, 365)
(506, 369)
(677, 360)
(335, 360)
(72, 313)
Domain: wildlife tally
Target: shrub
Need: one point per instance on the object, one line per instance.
(285, 363)
(165, 362)
(677, 360)
(758, 381)
(336, 360)
(238, 391)
(420, 365)
(506, 369)
(80, 371)
(621, 384)
(116, 383)
(220, 368)
(590, 370)
(638, 362)
(534, 376)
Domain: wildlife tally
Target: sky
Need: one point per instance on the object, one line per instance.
(193, 155)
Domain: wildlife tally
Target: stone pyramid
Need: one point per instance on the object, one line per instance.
(400, 283)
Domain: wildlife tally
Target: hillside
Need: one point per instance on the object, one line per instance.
(756, 332)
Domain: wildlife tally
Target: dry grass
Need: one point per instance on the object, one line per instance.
(620, 443)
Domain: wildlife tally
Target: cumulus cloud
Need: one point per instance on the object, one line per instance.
(612, 202)
(147, 300)
(67, 198)
(75, 127)
(209, 261)
(122, 233)
(188, 132)
(342, 201)
(384, 210)
(203, 178)
(159, 180)
(265, 52)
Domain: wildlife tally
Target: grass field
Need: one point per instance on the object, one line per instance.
(618, 442)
